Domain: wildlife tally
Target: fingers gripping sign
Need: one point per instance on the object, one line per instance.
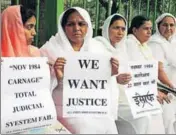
(124, 78)
(59, 67)
(114, 66)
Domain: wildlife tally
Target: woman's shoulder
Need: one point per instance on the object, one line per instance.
(97, 46)
(131, 41)
(155, 39)
(102, 39)
(103, 42)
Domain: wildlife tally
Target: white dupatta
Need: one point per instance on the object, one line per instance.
(119, 51)
(168, 46)
(59, 44)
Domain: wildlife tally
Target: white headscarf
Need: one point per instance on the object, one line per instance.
(159, 19)
(119, 51)
(59, 43)
(106, 25)
(168, 46)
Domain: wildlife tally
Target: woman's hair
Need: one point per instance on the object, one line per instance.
(136, 22)
(115, 18)
(66, 15)
(26, 13)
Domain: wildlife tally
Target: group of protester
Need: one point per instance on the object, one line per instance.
(75, 33)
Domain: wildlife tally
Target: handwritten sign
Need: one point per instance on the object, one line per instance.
(142, 90)
(86, 80)
(26, 101)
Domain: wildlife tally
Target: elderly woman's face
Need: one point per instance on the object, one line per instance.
(117, 31)
(143, 33)
(76, 28)
(167, 27)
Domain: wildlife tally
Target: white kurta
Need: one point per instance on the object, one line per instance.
(57, 46)
(165, 51)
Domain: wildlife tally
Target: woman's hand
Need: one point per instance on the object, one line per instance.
(162, 97)
(114, 66)
(59, 68)
(124, 78)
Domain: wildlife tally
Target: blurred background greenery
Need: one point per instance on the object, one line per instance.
(47, 12)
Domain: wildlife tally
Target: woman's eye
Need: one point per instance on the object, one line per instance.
(70, 24)
(118, 28)
(82, 24)
(30, 26)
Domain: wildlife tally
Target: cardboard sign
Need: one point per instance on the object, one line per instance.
(142, 89)
(86, 85)
(26, 101)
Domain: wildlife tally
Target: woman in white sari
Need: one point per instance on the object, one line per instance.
(114, 33)
(163, 46)
(75, 34)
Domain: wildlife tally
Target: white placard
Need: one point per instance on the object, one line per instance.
(26, 101)
(142, 90)
(86, 91)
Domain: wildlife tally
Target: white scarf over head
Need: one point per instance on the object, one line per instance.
(119, 51)
(168, 46)
(59, 43)
(159, 19)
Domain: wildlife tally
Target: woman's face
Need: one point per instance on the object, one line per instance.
(29, 29)
(143, 33)
(117, 31)
(167, 27)
(76, 28)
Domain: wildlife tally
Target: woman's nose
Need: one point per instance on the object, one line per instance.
(120, 31)
(149, 31)
(76, 26)
(33, 32)
(168, 27)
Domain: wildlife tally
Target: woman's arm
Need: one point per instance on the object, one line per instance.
(163, 77)
(165, 80)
